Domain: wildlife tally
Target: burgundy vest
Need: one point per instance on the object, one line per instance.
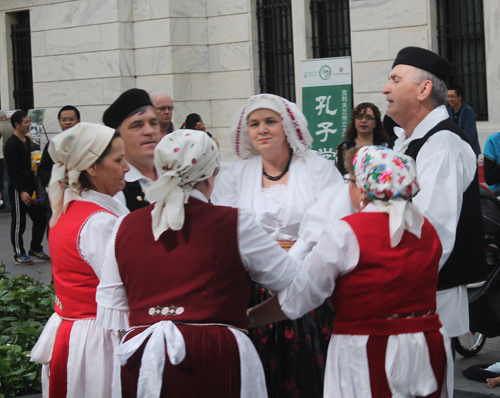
(194, 275)
(75, 281)
(388, 282)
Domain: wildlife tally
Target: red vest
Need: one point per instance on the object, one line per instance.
(75, 281)
(194, 275)
(388, 282)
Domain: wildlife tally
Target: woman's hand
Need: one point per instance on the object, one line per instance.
(266, 312)
(200, 126)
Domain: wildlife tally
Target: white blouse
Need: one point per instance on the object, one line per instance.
(314, 183)
(95, 234)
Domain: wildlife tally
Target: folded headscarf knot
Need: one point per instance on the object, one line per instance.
(182, 159)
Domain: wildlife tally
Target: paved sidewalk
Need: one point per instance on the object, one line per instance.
(466, 388)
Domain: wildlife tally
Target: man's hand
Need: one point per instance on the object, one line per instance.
(25, 197)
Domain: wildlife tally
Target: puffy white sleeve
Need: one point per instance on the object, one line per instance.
(444, 175)
(94, 238)
(267, 263)
(224, 193)
(112, 301)
(336, 253)
(332, 203)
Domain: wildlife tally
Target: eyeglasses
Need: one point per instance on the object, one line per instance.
(367, 117)
(348, 180)
(164, 108)
(70, 119)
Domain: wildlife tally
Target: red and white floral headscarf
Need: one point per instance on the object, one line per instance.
(182, 159)
(389, 179)
(294, 122)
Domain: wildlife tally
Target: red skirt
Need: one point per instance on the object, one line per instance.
(211, 368)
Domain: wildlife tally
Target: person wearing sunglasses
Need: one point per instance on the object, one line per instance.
(365, 128)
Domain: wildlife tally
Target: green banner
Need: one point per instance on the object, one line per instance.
(326, 101)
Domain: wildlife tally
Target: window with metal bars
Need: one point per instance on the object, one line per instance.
(275, 41)
(21, 59)
(461, 41)
(331, 28)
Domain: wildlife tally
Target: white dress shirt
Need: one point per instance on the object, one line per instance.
(446, 166)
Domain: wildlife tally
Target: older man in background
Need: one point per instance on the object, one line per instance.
(134, 116)
(447, 171)
(164, 108)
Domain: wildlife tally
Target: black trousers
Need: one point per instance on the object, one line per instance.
(18, 225)
(477, 372)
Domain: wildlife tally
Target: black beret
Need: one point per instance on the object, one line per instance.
(124, 105)
(424, 59)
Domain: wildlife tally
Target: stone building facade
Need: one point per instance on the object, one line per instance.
(203, 53)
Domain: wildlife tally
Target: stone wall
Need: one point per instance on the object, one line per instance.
(204, 53)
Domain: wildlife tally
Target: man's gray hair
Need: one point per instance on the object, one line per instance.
(2, 115)
(439, 93)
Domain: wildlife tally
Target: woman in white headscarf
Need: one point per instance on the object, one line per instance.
(181, 269)
(79, 357)
(280, 179)
(380, 268)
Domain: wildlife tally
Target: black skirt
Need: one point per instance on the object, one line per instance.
(293, 353)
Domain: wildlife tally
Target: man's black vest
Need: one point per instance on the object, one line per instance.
(134, 196)
(467, 262)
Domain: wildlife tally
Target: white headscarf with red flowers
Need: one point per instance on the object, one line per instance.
(294, 123)
(389, 179)
(182, 158)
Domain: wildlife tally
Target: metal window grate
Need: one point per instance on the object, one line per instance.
(461, 41)
(330, 28)
(275, 41)
(21, 55)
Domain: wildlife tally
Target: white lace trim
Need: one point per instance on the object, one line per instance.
(112, 319)
(274, 188)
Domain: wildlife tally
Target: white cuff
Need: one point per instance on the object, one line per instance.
(299, 250)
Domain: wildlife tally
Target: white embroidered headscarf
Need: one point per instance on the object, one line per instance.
(73, 151)
(294, 122)
(182, 158)
(389, 179)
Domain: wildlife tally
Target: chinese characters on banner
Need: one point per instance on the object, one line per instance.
(326, 101)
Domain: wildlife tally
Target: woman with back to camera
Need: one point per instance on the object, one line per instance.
(89, 170)
(280, 180)
(380, 268)
(365, 128)
(187, 302)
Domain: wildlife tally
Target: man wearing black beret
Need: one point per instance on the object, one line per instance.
(447, 172)
(134, 116)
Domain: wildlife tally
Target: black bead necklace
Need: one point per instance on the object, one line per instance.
(279, 177)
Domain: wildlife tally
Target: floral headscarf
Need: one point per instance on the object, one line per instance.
(73, 151)
(294, 122)
(182, 158)
(389, 179)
